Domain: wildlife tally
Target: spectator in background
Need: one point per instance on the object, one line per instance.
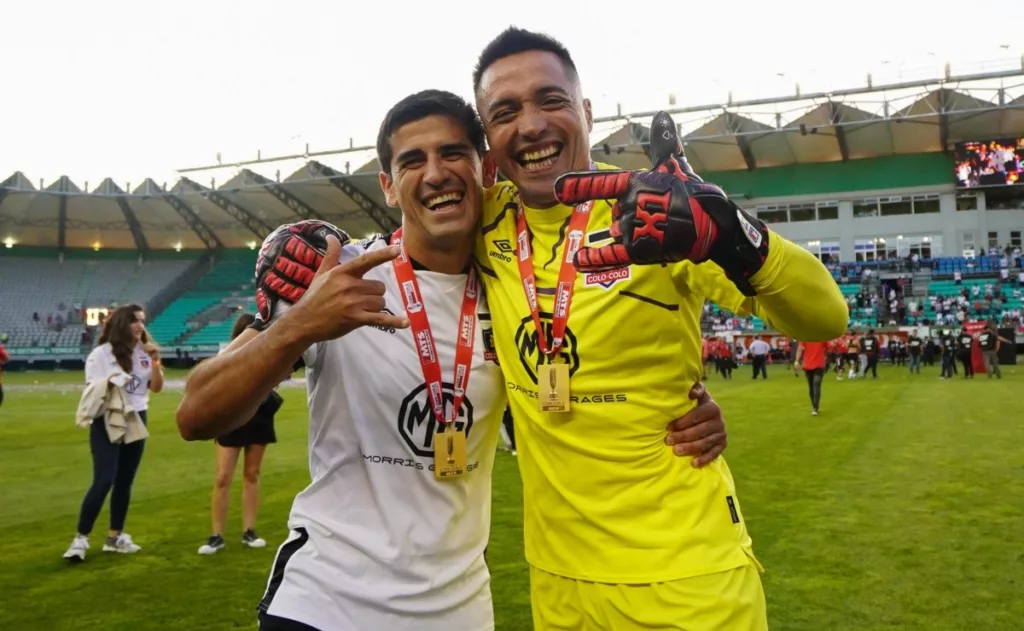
(759, 350)
(508, 431)
(253, 437)
(125, 345)
(811, 356)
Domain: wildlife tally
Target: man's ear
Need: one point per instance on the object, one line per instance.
(590, 115)
(490, 170)
(388, 187)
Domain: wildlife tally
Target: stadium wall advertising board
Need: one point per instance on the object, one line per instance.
(76, 352)
(776, 340)
(998, 162)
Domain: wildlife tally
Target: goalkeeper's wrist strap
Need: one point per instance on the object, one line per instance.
(259, 324)
(741, 248)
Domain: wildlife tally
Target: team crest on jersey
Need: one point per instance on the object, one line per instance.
(490, 351)
(529, 354)
(416, 422)
(608, 278)
(144, 362)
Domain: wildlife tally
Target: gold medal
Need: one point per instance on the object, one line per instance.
(553, 380)
(449, 453)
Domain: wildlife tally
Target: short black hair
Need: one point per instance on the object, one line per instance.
(515, 40)
(418, 106)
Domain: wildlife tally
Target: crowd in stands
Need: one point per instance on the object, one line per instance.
(989, 287)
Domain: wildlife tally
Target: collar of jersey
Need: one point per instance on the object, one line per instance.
(416, 265)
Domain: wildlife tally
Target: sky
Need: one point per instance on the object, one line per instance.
(130, 89)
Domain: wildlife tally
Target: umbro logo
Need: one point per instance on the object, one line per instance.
(502, 251)
(386, 329)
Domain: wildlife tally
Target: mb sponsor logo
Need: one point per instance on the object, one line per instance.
(416, 422)
(606, 279)
(502, 250)
(133, 385)
(529, 352)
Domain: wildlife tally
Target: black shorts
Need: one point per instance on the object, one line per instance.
(850, 357)
(258, 431)
(275, 623)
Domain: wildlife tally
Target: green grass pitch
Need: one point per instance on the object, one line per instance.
(900, 507)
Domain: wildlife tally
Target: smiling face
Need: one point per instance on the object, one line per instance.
(537, 122)
(436, 178)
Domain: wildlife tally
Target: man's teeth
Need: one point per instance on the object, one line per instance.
(441, 200)
(543, 164)
(533, 156)
(540, 159)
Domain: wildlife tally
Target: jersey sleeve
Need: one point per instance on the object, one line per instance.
(796, 294)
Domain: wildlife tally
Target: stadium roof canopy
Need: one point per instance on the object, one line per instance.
(243, 202)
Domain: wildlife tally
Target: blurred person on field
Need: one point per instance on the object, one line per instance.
(253, 438)
(812, 357)
(124, 347)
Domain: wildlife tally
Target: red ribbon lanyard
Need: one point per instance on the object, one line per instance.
(566, 275)
(424, 339)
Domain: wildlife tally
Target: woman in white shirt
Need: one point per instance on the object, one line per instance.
(124, 346)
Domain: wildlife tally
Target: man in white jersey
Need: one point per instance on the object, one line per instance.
(379, 540)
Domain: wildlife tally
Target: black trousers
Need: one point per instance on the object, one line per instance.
(872, 366)
(113, 472)
(965, 359)
(506, 421)
(1, 394)
(725, 366)
(814, 377)
(275, 623)
(759, 366)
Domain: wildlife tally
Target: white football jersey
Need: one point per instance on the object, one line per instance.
(101, 363)
(377, 542)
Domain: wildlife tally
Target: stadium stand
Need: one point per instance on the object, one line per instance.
(205, 313)
(44, 298)
(914, 202)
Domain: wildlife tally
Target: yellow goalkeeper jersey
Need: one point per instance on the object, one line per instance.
(605, 499)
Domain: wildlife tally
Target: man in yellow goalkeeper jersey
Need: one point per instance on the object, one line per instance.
(619, 534)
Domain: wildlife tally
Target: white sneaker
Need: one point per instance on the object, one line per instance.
(212, 545)
(76, 552)
(122, 544)
(251, 539)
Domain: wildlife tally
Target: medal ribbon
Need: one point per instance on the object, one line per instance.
(424, 338)
(566, 275)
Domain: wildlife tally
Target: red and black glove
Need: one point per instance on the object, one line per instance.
(668, 215)
(288, 260)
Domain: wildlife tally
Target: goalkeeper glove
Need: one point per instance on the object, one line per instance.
(288, 260)
(668, 215)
